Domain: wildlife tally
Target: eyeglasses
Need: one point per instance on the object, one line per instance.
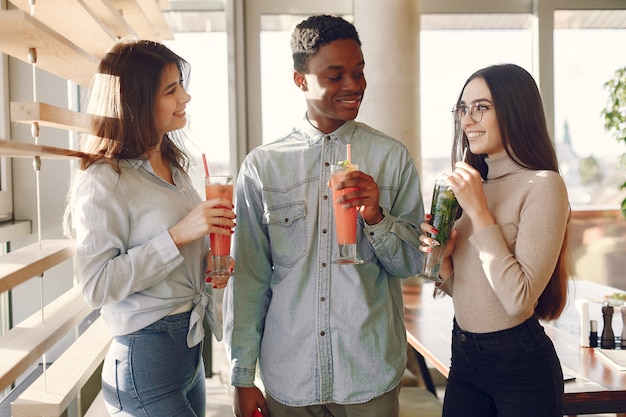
(475, 110)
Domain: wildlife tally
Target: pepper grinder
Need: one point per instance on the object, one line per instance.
(623, 339)
(608, 338)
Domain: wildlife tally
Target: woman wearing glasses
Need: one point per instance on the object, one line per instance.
(505, 265)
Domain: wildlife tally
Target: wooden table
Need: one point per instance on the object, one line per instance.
(598, 387)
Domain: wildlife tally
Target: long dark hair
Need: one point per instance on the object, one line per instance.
(121, 103)
(525, 137)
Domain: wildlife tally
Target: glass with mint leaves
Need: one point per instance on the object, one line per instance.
(443, 210)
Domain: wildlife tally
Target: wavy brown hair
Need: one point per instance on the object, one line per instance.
(524, 133)
(121, 103)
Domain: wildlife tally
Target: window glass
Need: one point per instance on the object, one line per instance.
(447, 58)
(281, 102)
(588, 154)
(200, 38)
(585, 57)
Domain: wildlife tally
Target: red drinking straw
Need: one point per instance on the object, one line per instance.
(206, 166)
(348, 153)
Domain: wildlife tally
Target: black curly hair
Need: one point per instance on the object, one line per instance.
(315, 32)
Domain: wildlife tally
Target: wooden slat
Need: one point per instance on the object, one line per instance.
(55, 54)
(136, 18)
(154, 14)
(74, 21)
(49, 115)
(109, 16)
(25, 343)
(50, 395)
(27, 150)
(32, 260)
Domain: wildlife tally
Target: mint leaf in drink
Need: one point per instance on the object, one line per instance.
(444, 210)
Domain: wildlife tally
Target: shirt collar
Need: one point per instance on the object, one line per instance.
(313, 135)
(138, 163)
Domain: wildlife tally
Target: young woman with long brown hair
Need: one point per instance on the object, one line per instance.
(507, 258)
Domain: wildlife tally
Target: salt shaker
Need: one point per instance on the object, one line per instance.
(582, 306)
(608, 338)
(593, 333)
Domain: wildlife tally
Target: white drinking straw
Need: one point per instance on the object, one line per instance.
(464, 154)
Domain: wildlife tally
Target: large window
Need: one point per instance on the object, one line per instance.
(584, 59)
(586, 54)
(452, 47)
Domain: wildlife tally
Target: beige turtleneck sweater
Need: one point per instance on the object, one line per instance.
(500, 271)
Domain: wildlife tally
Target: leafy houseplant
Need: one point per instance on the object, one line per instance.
(615, 114)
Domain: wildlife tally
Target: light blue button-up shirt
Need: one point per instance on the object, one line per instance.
(322, 332)
(128, 264)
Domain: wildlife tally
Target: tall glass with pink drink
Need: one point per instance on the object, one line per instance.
(220, 187)
(345, 218)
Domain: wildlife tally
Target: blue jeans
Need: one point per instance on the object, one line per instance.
(509, 373)
(152, 372)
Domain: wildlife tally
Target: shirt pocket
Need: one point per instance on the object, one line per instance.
(286, 227)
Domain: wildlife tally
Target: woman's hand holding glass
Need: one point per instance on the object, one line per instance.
(467, 185)
(210, 216)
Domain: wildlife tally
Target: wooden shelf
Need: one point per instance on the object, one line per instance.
(51, 393)
(25, 343)
(142, 15)
(48, 115)
(153, 11)
(104, 20)
(26, 150)
(55, 54)
(110, 17)
(85, 30)
(21, 265)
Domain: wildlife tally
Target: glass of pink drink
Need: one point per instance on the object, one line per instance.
(220, 187)
(345, 218)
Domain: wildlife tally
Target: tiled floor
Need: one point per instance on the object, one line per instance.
(219, 393)
(219, 398)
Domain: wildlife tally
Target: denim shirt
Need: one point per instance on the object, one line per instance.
(322, 332)
(128, 264)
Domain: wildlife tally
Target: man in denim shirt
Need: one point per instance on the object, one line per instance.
(330, 339)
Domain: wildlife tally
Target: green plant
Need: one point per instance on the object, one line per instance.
(615, 114)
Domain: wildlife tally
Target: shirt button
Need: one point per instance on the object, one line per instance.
(322, 299)
(287, 220)
(322, 333)
(371, 233)
(325, 197)
(323, 264)
(462, 337)
(326, 164)
(327, 137)
(324, 231)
